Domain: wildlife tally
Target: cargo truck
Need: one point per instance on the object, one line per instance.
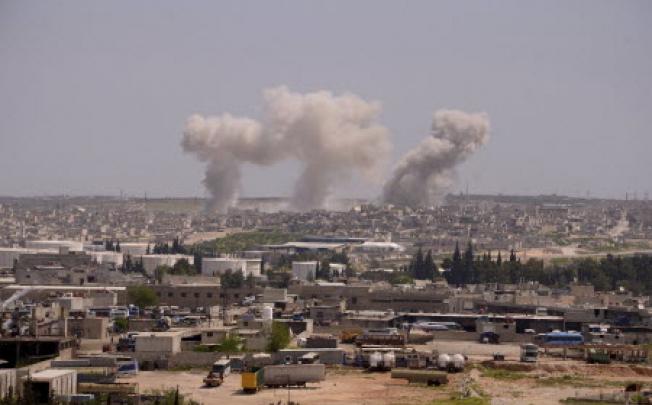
(293, 374)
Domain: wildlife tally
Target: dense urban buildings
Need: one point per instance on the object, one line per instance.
(165, 284)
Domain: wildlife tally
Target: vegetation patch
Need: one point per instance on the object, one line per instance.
(501, 374)
(570, 380)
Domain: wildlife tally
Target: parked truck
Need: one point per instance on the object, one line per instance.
(384, 339)
(293, 374)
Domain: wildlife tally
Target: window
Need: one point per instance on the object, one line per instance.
(209, 295)
(196, 295)
(209, 334)
(183, 295)
(158, 293)
(170, 295)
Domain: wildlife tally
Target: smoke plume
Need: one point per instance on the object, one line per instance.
(424, 173)
(333, 136)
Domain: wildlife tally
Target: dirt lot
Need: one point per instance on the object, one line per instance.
(341, 387)
(551, 381)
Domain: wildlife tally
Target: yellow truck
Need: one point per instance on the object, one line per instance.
(252, 380)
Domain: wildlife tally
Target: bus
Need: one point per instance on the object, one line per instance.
(559, 339)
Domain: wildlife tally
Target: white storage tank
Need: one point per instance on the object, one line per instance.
(457, 362)
(375, 359)
(267, 313)
(389, 360)
(443, 360)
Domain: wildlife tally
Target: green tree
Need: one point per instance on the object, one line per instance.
(183, 267)
(279, 337)
(231, 279)
(455, 275)
(429, 267)
(469, 271)
(141, 296)
(121, 325)
(160, 272)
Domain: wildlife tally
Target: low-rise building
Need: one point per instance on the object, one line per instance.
(215, 266)
(305, 271)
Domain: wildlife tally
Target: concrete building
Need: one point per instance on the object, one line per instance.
(215, 266)
(89, 328)
(71, 245)
(168, 342)
(71, 303)
(305, 271)
(271, 295)
(215, 335)
(7, 381)
(188, 295)
(58, 382)
(133, 248)
(9, 256)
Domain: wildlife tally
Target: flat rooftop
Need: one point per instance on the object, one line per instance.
(500, 316)
(65, 287)
(49, 374)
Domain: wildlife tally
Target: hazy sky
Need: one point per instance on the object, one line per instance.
(94, 95)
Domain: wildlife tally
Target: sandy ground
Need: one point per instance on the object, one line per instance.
(340, 387)
(353, 386)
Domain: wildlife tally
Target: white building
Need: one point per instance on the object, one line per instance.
(379, 247)
(215, 266)
(151, 262)
(337, 269)
(100, 257)
(306, 271)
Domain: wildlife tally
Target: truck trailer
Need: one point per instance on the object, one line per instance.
(293, 374)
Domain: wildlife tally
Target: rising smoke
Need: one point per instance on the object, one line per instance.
(425, 173)
(333, 136)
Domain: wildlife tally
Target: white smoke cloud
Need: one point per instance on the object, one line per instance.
(333, 136)
(426, 172)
